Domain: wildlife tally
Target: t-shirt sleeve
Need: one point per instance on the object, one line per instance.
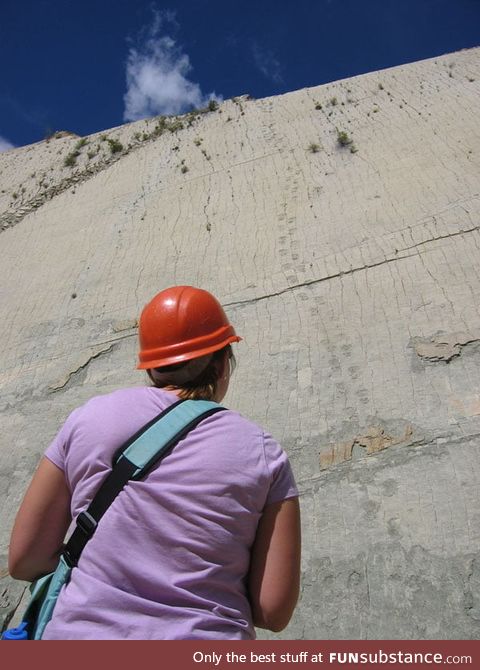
(57, 450)
(282, 480)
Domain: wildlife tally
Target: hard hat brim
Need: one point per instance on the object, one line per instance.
(186, 351)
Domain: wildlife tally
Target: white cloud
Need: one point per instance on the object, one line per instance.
(157, 81)
(266, 62)
(5, 145)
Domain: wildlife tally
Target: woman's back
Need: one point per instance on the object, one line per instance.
(170, 557)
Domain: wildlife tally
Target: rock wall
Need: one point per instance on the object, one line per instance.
(339, 225)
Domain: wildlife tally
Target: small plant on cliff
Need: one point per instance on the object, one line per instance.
(71, 158)
(212, 105)
(81, 143)
(313, 148)
(343, 138)
(115, 145)
(160, 127)
(175, 125)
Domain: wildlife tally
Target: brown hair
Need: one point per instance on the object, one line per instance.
(201, 386)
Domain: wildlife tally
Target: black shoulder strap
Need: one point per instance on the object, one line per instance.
(133, 460)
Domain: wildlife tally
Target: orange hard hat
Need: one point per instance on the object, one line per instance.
(181, 323)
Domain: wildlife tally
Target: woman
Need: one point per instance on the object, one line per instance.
(207, 545)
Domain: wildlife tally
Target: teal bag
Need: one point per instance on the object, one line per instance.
(43, 596)
(132, 461)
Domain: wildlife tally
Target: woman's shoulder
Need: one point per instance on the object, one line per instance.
(241, 430)
(241, 440)
(131, 397)
(240, 423)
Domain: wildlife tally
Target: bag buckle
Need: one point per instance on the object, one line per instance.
(86, 523)
(85, 528)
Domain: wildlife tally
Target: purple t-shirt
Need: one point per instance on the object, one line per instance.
(170, 557)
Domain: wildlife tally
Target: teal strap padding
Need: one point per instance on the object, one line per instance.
(154, 440)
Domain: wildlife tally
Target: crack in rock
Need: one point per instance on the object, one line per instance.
(94, 352)
(311, 282)
(393, 257)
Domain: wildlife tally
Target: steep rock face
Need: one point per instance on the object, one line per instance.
(339, 226)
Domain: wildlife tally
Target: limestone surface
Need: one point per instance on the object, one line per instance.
(339, 225)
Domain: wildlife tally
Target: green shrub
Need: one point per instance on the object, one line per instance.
(343, 139)
(71, 158)
(81, 143)
(175, 125)
(160, 126)
(115, 145)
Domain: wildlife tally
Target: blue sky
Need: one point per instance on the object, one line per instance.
(88, 65)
